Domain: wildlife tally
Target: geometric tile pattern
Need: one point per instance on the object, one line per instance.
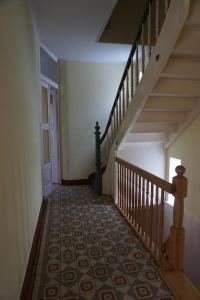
(89, 251)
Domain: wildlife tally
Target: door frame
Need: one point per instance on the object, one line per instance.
(47, 83)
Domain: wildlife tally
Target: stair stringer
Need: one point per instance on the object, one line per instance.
(173, 25)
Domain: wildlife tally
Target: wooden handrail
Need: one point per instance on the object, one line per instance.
(140, 196)
(133, 49)
(161, 183)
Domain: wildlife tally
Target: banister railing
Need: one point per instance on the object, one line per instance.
(148, 33)
(141, 197)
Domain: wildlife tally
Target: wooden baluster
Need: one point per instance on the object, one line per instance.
(161, 223)
(107, 145)
(156, 222)
(139, 204)
(127, 193)
(157, 18)
(151, 215)
(143, 206)
(127, 90)
(120, 187)
(132, 91)
(118, 183)
(147, 214)
(137, 65)
(177, 231)
(120, 109)
(133, 198)
(114, 123)
(117, 117)
(136, 200)
(112, 130)
(143, 51)
(149, 31)
(123, 100)
(130, 188)
(122, 191)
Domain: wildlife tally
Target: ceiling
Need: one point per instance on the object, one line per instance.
(71, 29)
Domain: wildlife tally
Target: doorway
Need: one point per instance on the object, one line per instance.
(50, 137)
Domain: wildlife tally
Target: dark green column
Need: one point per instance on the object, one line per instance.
(98, 175)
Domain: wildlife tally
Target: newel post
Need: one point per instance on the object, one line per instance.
(98, 175)
(177, 231)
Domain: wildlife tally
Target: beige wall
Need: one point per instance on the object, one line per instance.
(187, 148)
(20, 168)
(87, 94)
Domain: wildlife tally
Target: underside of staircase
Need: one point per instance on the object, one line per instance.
(173, 99)
(156, 108)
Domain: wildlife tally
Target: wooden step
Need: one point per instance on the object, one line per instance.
(154, 128)
(177, 86)
(182, 68)
(162, 116)
(170, 104)
(189, 40)
(147, 138)
(192, 25)
(189, 55)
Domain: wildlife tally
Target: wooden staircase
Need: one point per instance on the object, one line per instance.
(173, 101)
(158, 97)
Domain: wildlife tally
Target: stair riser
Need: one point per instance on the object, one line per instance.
(162, 117)
(189, 41)
(182, 87)
(181, 67)
(170, 104)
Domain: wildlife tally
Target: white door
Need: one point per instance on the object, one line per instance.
(54, 134)
(45, 137)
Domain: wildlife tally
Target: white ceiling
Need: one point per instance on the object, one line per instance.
(70, 29)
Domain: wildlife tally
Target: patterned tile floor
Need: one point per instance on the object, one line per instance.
(89, 252)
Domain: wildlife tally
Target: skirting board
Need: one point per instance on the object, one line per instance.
(29, 279)
(76, 182)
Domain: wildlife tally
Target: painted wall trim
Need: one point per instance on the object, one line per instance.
(49, 81)
(29, 279)
(53, 56)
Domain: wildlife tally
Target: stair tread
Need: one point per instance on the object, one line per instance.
(180, 76)
(185, 54)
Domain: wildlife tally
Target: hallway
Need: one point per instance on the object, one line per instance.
(89, 251)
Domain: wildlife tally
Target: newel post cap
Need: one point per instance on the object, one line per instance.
(97, 128)
(180, 170)
(180, 183)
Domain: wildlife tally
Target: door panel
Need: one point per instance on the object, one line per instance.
(54, 134)
(46, 145)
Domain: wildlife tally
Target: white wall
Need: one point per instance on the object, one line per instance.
(20, 168)
(148, 156)
(87, 92)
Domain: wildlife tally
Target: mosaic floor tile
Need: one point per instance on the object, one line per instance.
(90, 252)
